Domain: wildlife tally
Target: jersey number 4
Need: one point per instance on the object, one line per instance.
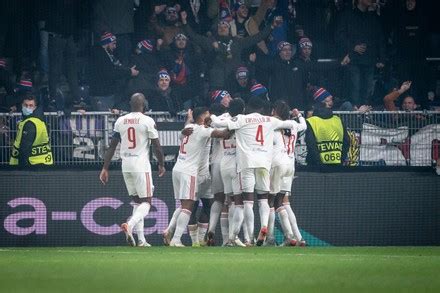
(260, 137)
(131, 135)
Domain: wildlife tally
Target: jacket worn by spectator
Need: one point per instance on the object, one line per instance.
(185, 67)
(167, 101)
(107, 75)
(356, 27)
(325, 146)
(285, 79)
(227, 57)
(31, 146)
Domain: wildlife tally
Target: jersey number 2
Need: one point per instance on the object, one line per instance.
(260, 137)
(131, 134)
(182, 145)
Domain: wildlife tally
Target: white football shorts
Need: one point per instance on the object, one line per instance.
(139, 183)
(277, 175)
(230, 180)
(254, 179)
(204, 186)
(184, 185)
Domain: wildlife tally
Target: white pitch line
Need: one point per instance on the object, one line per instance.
(196, 251)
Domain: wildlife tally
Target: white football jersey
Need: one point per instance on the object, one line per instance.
(228, 146)
(254, 135)
(217, 150)
(204, 159)
(192, 148)
(284, 146)
(136, 131)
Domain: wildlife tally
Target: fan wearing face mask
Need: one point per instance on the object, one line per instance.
(31, 146)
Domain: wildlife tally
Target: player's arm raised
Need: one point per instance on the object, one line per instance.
(302, 125)
(217, 133)
(108, 157)
(157, 148)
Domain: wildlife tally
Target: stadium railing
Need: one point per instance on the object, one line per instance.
(376, 138)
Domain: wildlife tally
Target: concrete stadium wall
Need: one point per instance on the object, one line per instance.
(72, 208)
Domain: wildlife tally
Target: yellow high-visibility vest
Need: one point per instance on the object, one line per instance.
(329, 134)
(41, 153)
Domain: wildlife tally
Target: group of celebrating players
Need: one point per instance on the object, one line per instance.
(227, 154)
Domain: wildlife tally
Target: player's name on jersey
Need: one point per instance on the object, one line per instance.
(131, 120)
(257, 120)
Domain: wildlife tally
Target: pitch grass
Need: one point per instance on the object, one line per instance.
(164, 269)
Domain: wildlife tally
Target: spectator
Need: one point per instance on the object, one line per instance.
(116, 16)
(168, 27)
(408, 103)
(411, 44)
(326, 136)
(313, 72)
(146, 60)
(185, 68)
(108, 77)
(254, 22)
(260, 91)
(162, 97)
(285, 79)
(63, 27)
(227, 49)
(241, 16)
(360, 36)
(241, 84)
(31, 146)
(221, 97)
(6, 82)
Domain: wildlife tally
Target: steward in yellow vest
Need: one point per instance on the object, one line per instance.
(31, 146)
(326, 137)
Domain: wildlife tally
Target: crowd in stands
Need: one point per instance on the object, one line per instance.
(93, 55)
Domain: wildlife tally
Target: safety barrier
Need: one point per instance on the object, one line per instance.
(376, 138)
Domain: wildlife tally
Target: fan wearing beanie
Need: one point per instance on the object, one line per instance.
(108, 77)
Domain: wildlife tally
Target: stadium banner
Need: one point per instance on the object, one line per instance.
(72, 208)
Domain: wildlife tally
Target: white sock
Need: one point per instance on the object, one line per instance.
(193, 233)
(216, 209)
(264, 212)
(203, 227)
(245, 233)
(285, 223)
(249, 218)
(224, 225)
(271, 224)
(138, 214)
(172, 225)
(182, 223)
(237, 221)
(231, 212)
(293, 222)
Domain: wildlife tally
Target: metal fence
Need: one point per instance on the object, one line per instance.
(376, 138)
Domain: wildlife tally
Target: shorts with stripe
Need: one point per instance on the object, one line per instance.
(254, 179)
(286, 183)
(204, 186)
(230, 181)
(184, 185)
(277, 175)
(139, 183)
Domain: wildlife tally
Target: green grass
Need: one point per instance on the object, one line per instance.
(159, 269)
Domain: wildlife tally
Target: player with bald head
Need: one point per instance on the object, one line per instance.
(136, 132)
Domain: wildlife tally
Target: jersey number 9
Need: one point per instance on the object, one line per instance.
(131, 135)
